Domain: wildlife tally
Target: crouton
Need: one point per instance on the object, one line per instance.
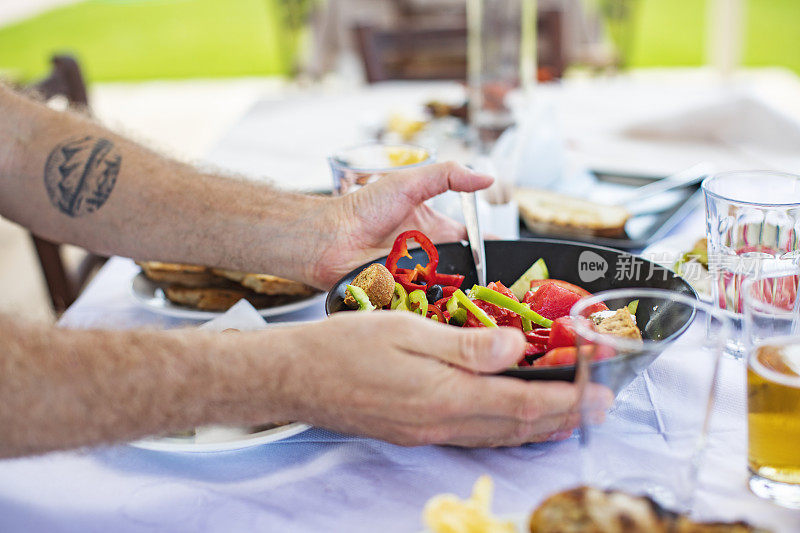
(377, 282)
(620, 324)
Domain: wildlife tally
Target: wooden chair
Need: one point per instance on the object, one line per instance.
(427, 54)
(63, 283)
(441, 53)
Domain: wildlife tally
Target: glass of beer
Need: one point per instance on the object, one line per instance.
(773, 386)
(354, 167)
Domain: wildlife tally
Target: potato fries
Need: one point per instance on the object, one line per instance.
(447, 513)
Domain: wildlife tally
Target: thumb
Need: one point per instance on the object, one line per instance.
(420, 184)
(485, 350)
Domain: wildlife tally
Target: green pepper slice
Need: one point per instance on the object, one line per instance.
(479, 313)
(361, 298)
(457, 315)
(400, 297)
(459, 318)
(452, 305)
(501, 300)
(418, 302)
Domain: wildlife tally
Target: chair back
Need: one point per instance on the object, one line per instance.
(426, 53)
(63, 283)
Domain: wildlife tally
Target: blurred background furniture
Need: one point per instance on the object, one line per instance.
(65, 277)
(365, 32)
(411, 54)
(407, 53)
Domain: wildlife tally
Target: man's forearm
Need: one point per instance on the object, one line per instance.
(70, 180)
(62, 389)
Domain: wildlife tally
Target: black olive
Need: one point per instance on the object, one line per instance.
(434, 294)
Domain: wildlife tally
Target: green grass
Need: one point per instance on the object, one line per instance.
(669, 33)
(672, 33)
(773, 33)
(148, 39)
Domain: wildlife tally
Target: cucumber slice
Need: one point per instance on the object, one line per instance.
(538, 270)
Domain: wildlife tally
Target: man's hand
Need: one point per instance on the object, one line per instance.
(410, 381)
(364, 224)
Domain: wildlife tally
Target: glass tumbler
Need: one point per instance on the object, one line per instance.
(354, 167)
(501, 57)
(650, 442)
(773, 386)
(752, 224)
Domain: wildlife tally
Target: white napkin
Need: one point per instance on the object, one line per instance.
(242, 316)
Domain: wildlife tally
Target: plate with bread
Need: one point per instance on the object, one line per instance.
(596, 211)
(201, 293)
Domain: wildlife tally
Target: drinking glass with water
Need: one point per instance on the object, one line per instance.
(752, 225)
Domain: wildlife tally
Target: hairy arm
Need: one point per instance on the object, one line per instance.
(63, 389)
(70, 180)
(418, 382)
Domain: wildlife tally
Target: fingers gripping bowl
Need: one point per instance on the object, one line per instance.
(593, 268)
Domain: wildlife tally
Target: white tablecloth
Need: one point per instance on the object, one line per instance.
(318, 480)
(315, 481)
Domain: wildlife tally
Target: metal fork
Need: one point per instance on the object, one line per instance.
(469, 206)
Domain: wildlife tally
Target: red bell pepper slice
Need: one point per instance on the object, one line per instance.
(449, 290)
(442, 304)
(433, 310)
(405, 277)
(538, 336)
(532, 348)
(449, 280)
(501, 316)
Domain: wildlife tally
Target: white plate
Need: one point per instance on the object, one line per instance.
(151, 295)
(666, 252)
(220, 439)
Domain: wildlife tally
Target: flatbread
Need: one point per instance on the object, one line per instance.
(180, 274)
(221, 299)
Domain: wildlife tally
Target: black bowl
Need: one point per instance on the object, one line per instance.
(595, 268)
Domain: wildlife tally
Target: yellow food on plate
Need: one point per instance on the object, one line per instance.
(447, 513)
(579, 510)
(406, 127)
(402, 156)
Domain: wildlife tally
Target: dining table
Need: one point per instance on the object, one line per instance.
(320, 480)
